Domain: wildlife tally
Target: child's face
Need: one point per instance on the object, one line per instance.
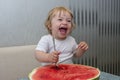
(61, 25)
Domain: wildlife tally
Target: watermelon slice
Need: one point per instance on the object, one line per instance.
(65, 72)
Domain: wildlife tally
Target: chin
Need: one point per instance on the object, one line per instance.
(62, 38)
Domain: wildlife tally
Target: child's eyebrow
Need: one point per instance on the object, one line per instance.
(69, 18)
(66, 17)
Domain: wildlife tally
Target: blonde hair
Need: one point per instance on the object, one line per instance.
(52, 13)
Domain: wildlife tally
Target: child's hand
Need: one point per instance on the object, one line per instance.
(82, 46)
(53, 57)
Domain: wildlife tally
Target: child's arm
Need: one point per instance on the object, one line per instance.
(47, 57)
(82, 47)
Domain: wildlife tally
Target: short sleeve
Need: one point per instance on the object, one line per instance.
(43, 44)
(75, 45)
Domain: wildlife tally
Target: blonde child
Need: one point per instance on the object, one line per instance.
(59, 46)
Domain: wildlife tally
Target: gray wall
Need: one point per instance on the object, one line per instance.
(98, 23)
(22, 21)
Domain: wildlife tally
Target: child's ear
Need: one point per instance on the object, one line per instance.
(49, 27)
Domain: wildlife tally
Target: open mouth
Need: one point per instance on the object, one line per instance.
(63, 30)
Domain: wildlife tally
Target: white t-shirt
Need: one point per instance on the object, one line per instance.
(66, 47)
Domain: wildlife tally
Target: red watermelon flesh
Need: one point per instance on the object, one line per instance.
(65, 72)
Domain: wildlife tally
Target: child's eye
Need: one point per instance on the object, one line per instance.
(68, 20)
(59, 19)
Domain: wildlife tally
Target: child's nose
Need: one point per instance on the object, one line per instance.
(64, 22)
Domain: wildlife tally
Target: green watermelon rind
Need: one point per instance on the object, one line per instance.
(94, 78)
(97, 76)
(33, 71)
